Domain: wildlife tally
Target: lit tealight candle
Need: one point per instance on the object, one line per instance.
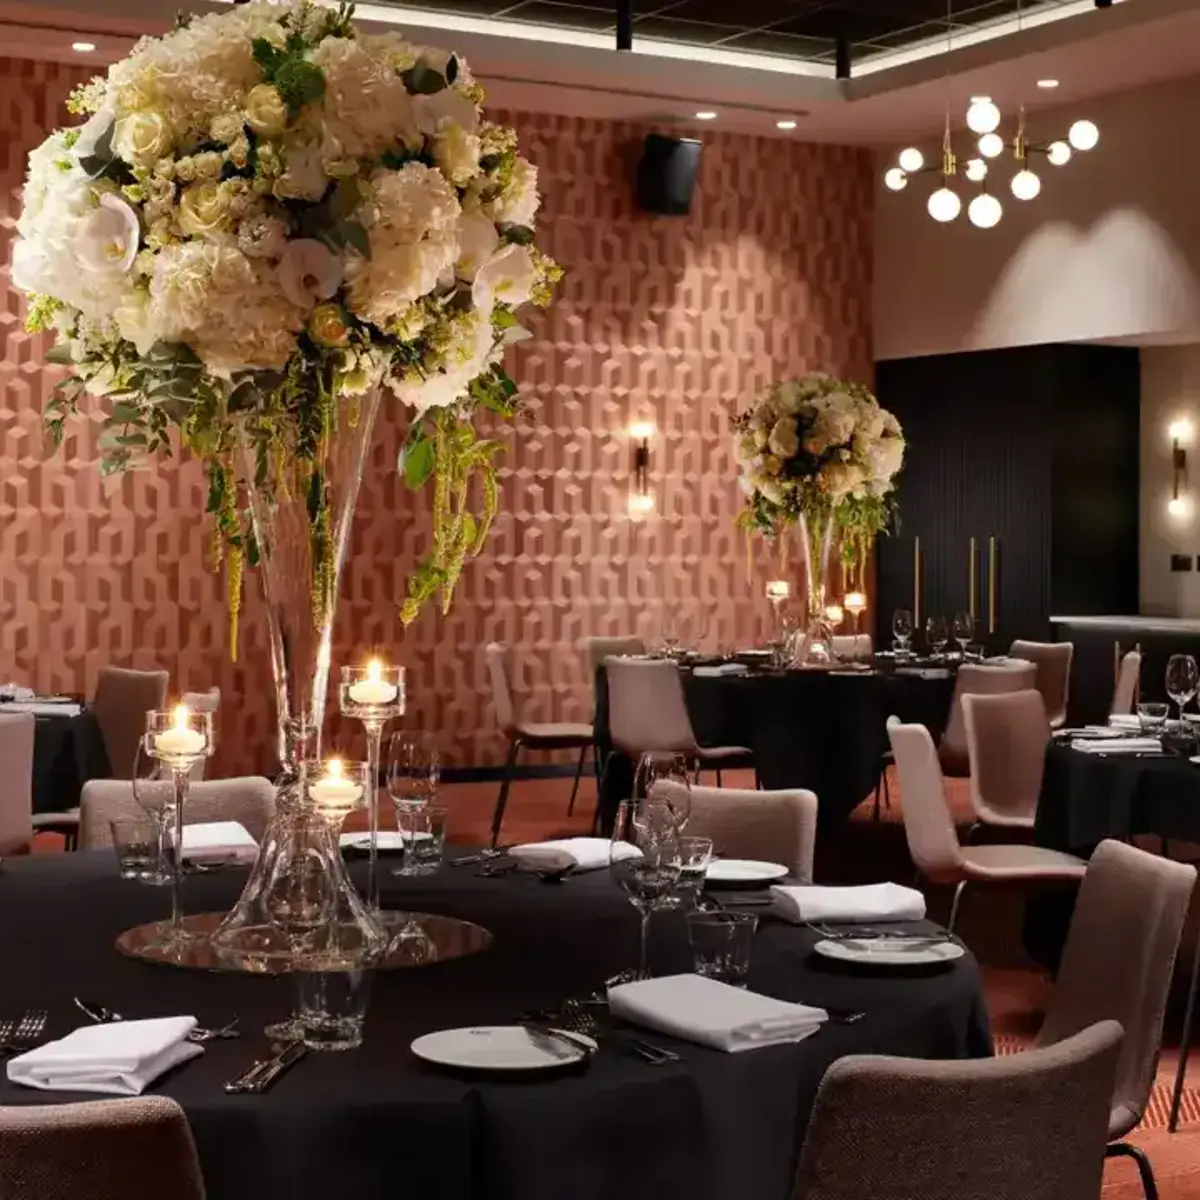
(834, 614)
(180, 741)
(373, 691)
(333, 789)
(778, 589)
(855, 602)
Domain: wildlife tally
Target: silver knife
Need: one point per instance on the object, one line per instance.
(554, 1041)
(250, 1078)
(288, 1057)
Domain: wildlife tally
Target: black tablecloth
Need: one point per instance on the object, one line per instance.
(67, 752)
(376, 1123)
(807, 729)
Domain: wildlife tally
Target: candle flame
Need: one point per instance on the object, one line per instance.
(374, 671)
(182, 716)
(334, 768)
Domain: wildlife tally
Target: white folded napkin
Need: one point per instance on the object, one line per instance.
(729, 668)
(14, 691)
(1125, 745)
(924, 672)
(122, 1058)
(850, 905)
(582, 853)
(43, 708)
(1125, 721)
(217, 841)
(712, 1013)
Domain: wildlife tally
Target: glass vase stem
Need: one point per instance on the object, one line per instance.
(644, 959)
(180, 777)
(374, 738)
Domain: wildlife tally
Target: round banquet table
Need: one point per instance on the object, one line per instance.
(68, 750)
(374, 1122)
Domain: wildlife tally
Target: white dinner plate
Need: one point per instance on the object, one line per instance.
(884, 952)
(499, 1048)
(387, 840)
(743, 870)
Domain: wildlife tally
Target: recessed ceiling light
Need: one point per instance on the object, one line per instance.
(706, 116)
(785, 124)
(1047, 83)
(981, 99)
(83, 47)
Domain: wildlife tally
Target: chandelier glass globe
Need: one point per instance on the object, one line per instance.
(944, 205)
(1025, 185)
(983, 116)
(1059, 154)
(991, 145)
(1083, 135)
(895, 180)
(976, 170)
(911, 159)
(985, 211)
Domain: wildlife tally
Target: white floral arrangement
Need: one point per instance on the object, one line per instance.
(266, 214)
(819, 448)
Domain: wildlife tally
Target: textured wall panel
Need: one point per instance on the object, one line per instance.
(678, 320)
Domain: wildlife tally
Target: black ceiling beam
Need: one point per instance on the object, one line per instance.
(842, 56)
(624, 24)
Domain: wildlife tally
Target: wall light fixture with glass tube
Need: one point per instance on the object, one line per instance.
(641, 494)
(1180, 504)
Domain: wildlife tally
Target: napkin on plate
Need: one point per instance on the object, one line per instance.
(1125, 745)
(1125, 721)
(699, 1009)
(851, 905)
(217, 841)
(729, 668)
(44, 708)
(122, 1057)
(582, 853)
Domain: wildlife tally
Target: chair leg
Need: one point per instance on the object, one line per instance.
(955, 904)
(1125, 1150)
(887, 791)
(975, 828)
(718, 777)
(575, 787)
(1185, 1043)
(878, 798)
(502, 799)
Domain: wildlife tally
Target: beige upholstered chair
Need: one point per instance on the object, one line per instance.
(647, 711)
(978, 679)
(140, 1149)
(772, 826)
(1124, 699)
(202, 702)
(1016, 1127)
(933, 842)
(16, 782)
(1117, 965)
(250, 800)
(122, 699)
(1053, 662)
(851, 646)
(600, 648)
(1006, 745)
(531, 735)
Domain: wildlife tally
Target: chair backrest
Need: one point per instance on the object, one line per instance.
(249, 799)
(1027, 1126)
(600, 648)
(122, 699)
(770, 826)
(1118, 961)
(139, 1149)
(849, 645)
(928, 825)
(1053, 662)
(16, 781)
(202, 702)
(1006, 746)
(502, 694)
(1124, 699)
(978, 679)
(646, 707)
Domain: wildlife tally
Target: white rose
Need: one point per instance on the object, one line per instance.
(784, 440)
(142, 138)
(107, 238)
(477, 243)
(134, 320)
(203, 209)
(747, 446)
(309, 271)
(447, 106)
(887, 457)
(509, 278)
(304, 178)
(266, 113)
(457, 153)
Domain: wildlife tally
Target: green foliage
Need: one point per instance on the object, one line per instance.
(298, 81)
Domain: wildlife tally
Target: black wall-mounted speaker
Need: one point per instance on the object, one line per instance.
(666, 176)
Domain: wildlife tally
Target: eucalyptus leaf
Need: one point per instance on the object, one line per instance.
(60, 355)
(517, 235)
(356, 236)
(345, 199)
(417, 460)
(451, 68)
(125, 413)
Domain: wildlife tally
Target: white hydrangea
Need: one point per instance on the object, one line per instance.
(518, 202)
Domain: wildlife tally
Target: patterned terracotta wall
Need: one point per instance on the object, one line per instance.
(675, 320)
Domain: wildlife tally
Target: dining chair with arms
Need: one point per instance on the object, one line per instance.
(978, 679)
(598, 649)
(1007, 734)
(1117, 965)
(1124, 701)
(1015, 1127)
(529, 735)
(1053, 662)
(135, 1149)
(16, 781)
(932, 839)
(122, 699)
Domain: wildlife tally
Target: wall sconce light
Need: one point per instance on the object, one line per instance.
(1180, 504)
(641, 494)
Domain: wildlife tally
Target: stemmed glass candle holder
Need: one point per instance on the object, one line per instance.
(855, 603)
(374, 695)
(178, 739)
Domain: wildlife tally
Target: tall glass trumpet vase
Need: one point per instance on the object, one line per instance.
(374, 695)
(178, 739)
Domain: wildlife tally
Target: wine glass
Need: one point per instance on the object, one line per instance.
(902, 629)
(964, 630)
(1182, 680)
(414, 768)
(937, 634)
(663, 778)
(644, 860)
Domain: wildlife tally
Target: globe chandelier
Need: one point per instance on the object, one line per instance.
(979, 169)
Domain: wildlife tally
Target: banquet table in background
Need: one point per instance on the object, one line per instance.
(374, 1122)
(68, 750)
(821, 730)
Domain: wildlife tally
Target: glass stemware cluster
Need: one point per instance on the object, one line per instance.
(1182, 680)
(413, 773)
